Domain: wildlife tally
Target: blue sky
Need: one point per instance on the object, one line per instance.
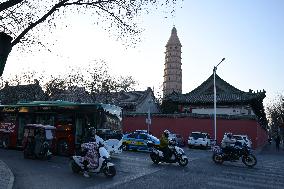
(248, 33)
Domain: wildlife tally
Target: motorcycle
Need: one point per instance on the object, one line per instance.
(177, 154)
(238, 151)
(104, 164)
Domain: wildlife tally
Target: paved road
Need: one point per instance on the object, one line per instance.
(55, 173)
(6, 176)
(135, 170)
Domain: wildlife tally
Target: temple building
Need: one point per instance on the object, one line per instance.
(230, 101)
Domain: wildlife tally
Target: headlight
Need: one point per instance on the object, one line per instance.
(106, 158)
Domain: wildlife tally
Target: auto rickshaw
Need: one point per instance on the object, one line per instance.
(38, 141)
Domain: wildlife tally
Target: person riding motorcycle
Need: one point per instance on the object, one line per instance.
(228, 143)
(164, 144)
(91, 147)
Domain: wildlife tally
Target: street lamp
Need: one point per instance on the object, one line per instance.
(148, 119)
(214, 73)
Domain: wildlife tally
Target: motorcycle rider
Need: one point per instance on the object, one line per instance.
(228, 143)
(164, 144)
(91, 146)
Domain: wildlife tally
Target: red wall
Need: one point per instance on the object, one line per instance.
(186, 125)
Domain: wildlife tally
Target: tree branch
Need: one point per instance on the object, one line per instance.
(42, 19)
(8, 4)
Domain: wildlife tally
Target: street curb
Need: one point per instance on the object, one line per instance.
(10, 175)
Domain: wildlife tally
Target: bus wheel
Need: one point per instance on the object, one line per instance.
(5, 142)
(62, 148)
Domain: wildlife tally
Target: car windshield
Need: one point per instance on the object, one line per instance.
(197, 135)
(178, 135)
(153, 138)
(238, 137)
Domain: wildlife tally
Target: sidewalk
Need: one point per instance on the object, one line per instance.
(271, 149)
(6, 176)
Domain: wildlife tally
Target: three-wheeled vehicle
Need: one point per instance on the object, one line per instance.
(38, 141)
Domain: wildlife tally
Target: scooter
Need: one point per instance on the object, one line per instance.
(177, 154)
(105, 166)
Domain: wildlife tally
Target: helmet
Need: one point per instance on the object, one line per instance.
(166, 133)
(229, 135)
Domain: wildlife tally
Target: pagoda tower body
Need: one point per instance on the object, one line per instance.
(172, 72)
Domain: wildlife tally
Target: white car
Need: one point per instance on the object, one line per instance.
(244, 139)
(199, 139)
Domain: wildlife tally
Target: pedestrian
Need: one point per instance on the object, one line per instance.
(277, 141)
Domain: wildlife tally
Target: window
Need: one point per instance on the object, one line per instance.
(143, 137)
(197, 135)
(49, 134)
(132, 135)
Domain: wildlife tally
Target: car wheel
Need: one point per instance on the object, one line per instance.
(124, 147)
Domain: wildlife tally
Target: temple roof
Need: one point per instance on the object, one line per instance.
(174, 40)
(225, 94)
(125, 98)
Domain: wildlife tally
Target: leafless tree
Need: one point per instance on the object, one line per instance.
(275, 112)
(21, 19)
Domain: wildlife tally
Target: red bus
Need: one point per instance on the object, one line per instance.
(70, 119)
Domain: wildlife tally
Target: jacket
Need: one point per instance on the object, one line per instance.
(164, 141)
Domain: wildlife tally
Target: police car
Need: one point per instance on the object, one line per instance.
(137, 140)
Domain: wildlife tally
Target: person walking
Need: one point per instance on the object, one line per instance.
(277, 141)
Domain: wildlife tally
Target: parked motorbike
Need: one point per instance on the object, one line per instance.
(177, 154)
(239, 151)
(105, 166)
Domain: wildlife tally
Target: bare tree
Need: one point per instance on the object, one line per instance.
(275, 112)
(99, 80)
(20, 19)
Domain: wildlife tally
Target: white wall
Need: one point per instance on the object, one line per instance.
(224, 110)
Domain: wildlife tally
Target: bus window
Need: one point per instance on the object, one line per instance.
(23, 120)
(79, 131)
(64, 122)
(45, 119)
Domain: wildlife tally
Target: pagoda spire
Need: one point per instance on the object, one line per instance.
(172, 72)
(174, 40)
